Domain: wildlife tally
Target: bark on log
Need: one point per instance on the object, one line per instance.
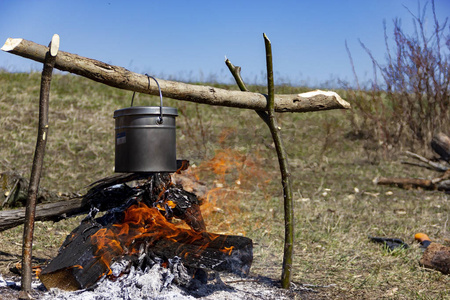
(441, 145)
(124, 79)
(103, 199)
(44, 212)
(410, 183)
(81, 262)
(437, 257)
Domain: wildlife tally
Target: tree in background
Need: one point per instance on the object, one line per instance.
(412, 101)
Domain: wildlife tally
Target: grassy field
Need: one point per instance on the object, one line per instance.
(337, 205)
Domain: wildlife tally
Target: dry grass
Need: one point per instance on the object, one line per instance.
(337, 205)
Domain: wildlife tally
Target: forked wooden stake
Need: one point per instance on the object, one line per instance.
(269, 118)
(286, 275)
(36, 169)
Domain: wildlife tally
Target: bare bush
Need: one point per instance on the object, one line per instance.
(412, 102)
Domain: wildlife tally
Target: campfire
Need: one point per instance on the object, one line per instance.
(137, 231)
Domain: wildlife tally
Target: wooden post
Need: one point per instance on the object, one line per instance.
(269, 118)
(36, 169)
(286, 275)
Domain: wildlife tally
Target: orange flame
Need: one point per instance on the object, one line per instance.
(143, 223)
(237, 175)
(227, 250)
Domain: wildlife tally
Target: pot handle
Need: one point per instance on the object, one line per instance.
(160, 118)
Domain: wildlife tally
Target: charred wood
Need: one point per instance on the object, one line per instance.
(89, 251)
(76, 266)
(111, 192)
(218, 252)
(157, 190)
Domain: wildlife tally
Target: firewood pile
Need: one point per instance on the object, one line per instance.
(441, 146)
(137, 232)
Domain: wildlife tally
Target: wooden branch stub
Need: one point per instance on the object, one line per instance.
(54, 45)
(124, 79)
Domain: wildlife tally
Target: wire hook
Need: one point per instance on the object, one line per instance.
(160, 119)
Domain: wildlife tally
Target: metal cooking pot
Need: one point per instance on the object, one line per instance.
(145, 138)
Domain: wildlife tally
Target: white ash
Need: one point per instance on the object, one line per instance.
(160, 283)
(16, 284)
(135, 285)
(174, 282)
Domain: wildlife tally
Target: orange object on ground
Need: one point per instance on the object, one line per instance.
(423, 239)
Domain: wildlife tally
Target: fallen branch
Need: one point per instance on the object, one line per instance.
(429, 164)
(124, 79)
(14, 189)
(410, 183)
(44, 212)
(441, 145)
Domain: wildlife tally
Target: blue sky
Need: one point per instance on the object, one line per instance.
(188, 40)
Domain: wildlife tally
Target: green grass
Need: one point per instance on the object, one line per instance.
(337, 206)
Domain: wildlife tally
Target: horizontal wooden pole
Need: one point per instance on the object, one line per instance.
(122, 78)
(44, 212)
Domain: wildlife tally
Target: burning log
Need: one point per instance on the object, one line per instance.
(142, 233)
(103, 197)
(137, 231)
(158, 191)
(79, 268)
